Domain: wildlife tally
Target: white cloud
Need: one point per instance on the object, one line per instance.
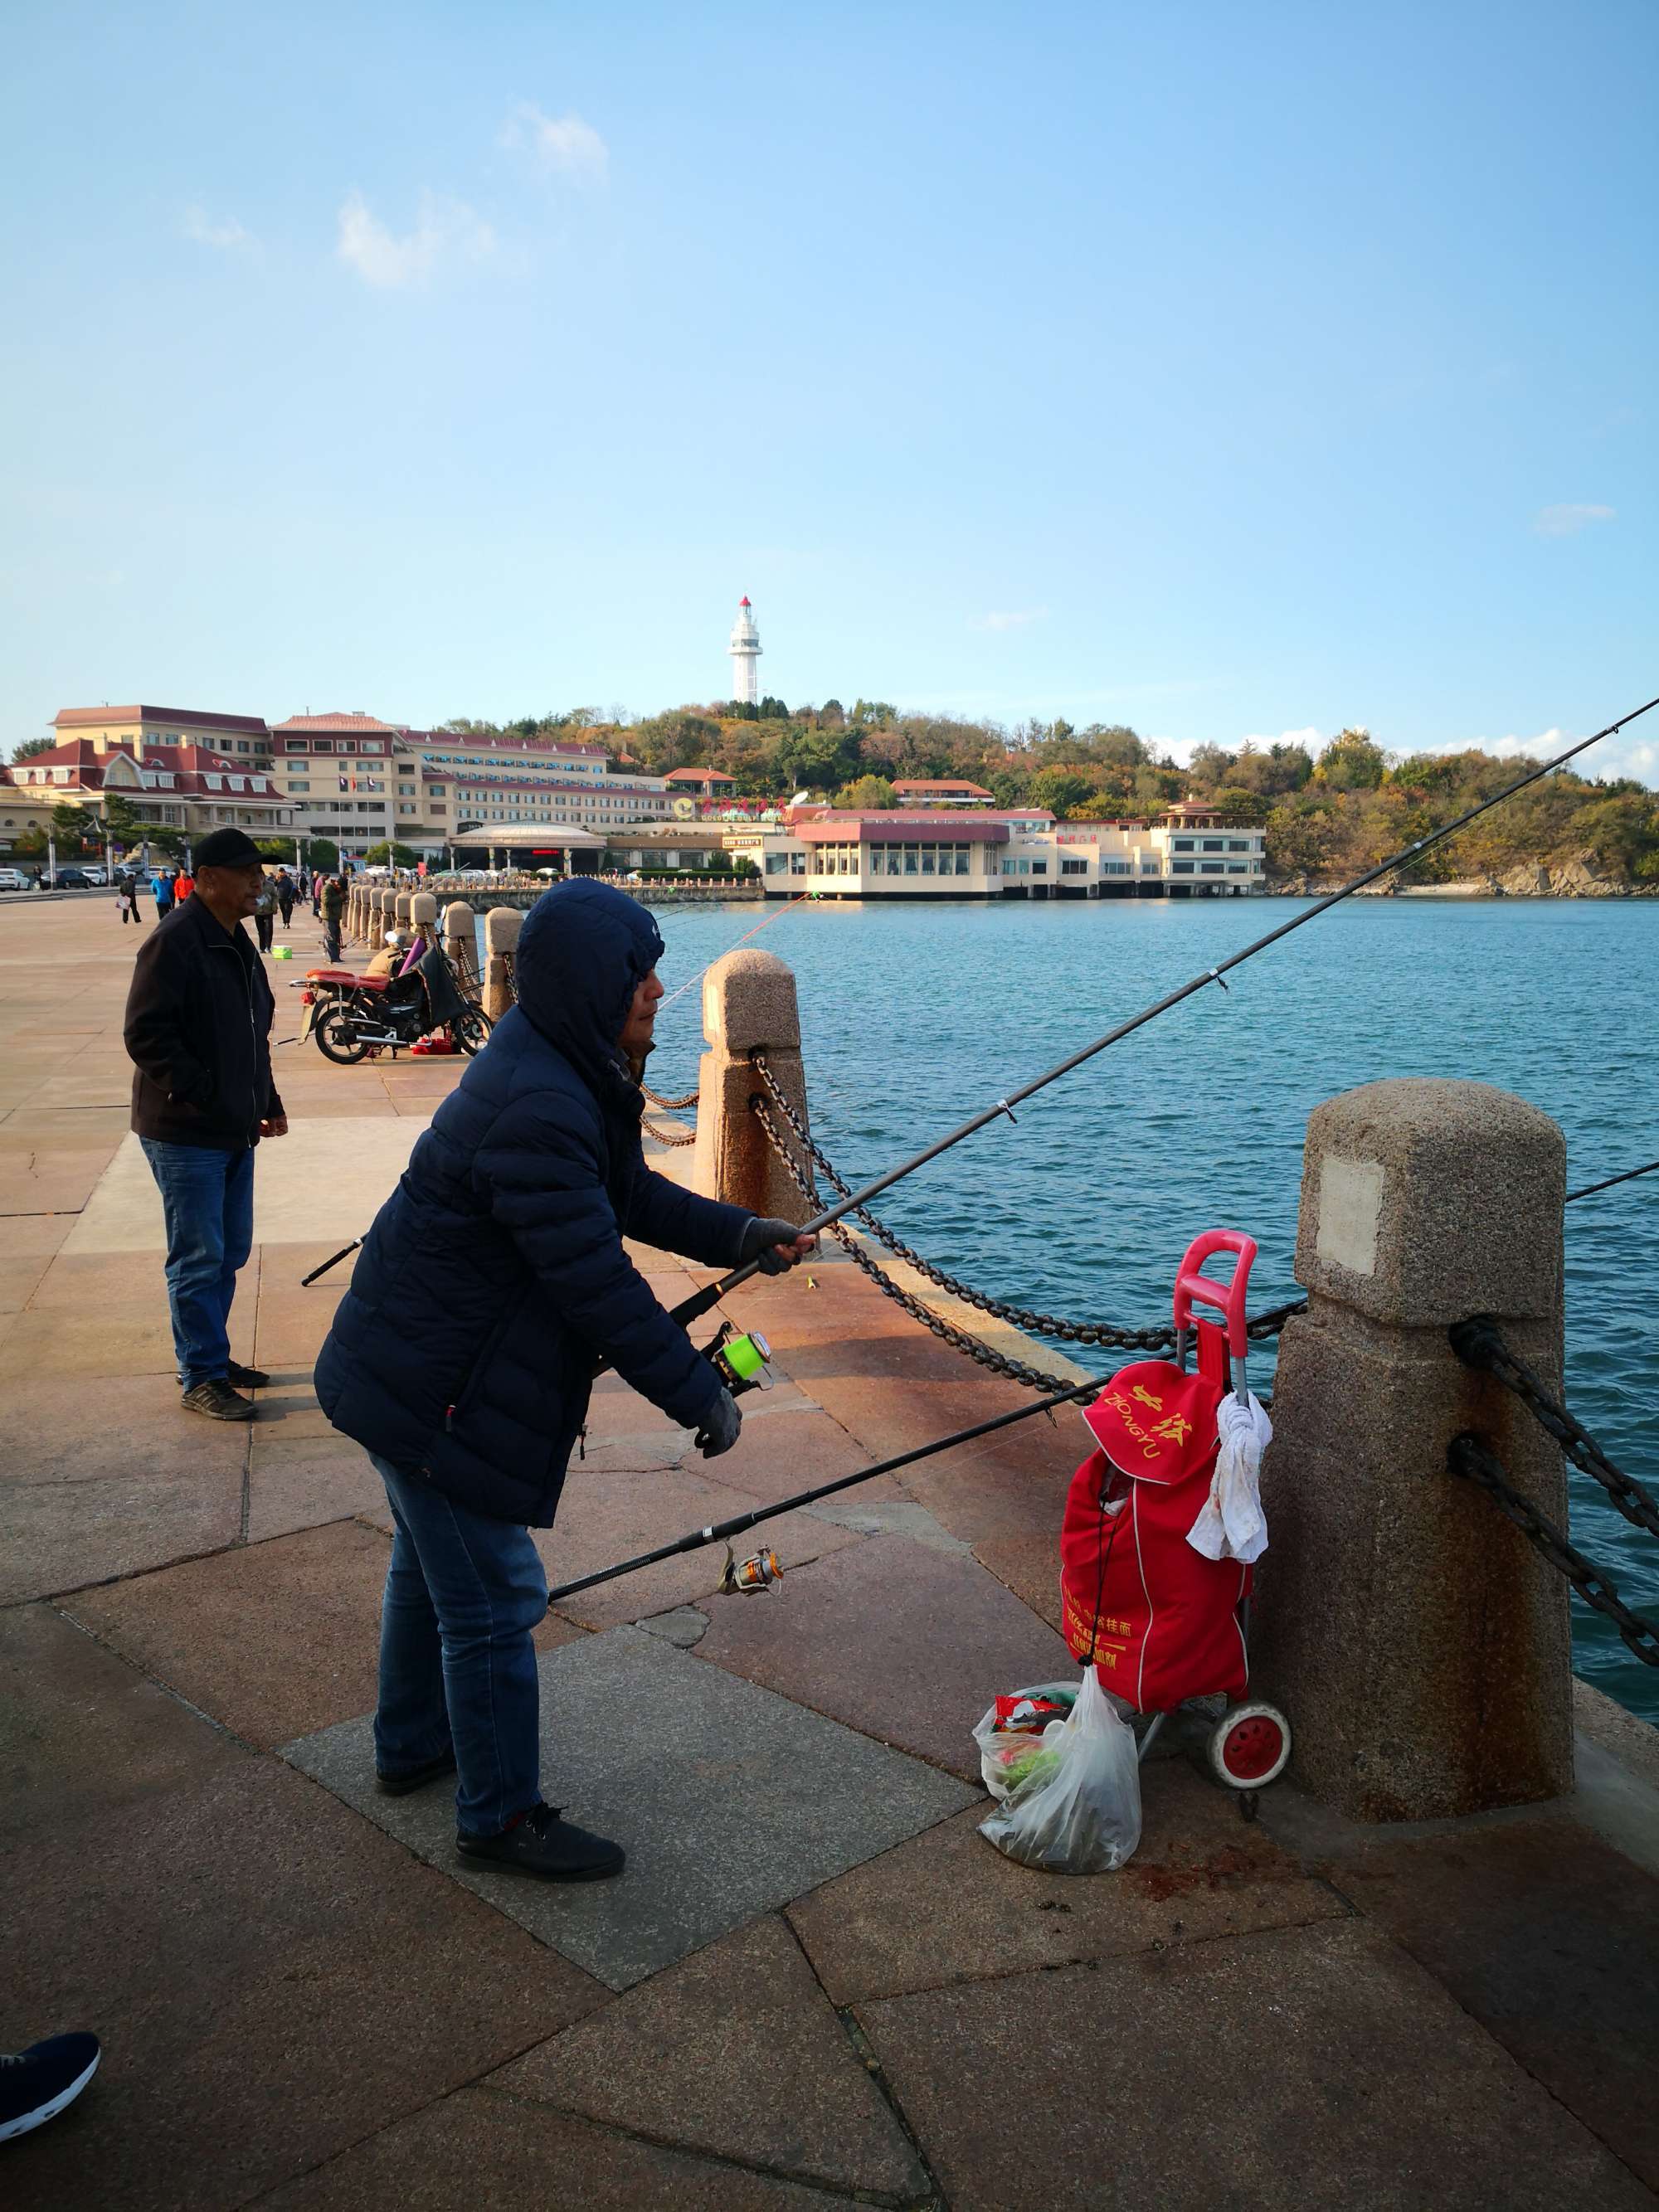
(227, 235)
(1567, 522)
(557, 142)
(1013, 619)
(444, 228)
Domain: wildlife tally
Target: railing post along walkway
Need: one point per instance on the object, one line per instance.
(461, 941)
(747, 1002)
(501, 928)
(1421, 1648)
(423, 916)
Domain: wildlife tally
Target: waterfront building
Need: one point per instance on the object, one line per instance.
(745, 650)
(1023, 853)
(187, 787)
(243, 738)
(941, 791)
(686, 783)
(361, 780)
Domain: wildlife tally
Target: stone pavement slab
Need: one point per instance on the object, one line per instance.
(270, 1979)
(275, 1640)
(902, 1641)
(479, 2149)
(1548, 1938)
(1306, 2067)
(83, 1736)
(299, 1482)
(1200, 1872)
(730, 1800)
(736, 2051)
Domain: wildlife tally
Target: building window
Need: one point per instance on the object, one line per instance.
(1039, 867)
(1211, 844)
(1115, 868)
(1180, 867)
(798, 864)
(1211, 867)
(1238, 867)
(1075, 867)
(1181, 845)
(1237, 845)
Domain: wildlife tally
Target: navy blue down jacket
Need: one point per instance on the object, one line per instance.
(494, 1279)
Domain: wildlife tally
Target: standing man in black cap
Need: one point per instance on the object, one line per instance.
(199, 1034)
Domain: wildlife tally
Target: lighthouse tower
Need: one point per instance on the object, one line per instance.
(745, 649)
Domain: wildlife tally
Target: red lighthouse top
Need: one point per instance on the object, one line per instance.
(742, 602)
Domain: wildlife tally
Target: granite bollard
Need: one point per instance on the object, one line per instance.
(461, 942)
(423, 916)
(501, 928)
(748, 1004)
(1420, 1647)
(403, 904)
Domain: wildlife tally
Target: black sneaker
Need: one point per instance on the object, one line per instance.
(413, 1778)
(36, 2084)
(548, 1846)
(217, 1401)
(247, 1378)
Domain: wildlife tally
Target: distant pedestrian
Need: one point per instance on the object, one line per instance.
(334, 899)
(265, 912)
(285, 888)
(184, 883)
(161, 883)
(37, 885)
(126, 890)
(198, 1033)
(316, 893)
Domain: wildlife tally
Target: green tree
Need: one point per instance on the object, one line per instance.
(26, 748)
(120, 817)
(320, 853)
(832, 715)
(867, 792)
(878, 714)
(1059, 789)
(772, 710)
(385, 854)
(1352, 762)
(74, 826)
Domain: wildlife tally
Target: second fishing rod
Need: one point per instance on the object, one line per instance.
(702, 1301)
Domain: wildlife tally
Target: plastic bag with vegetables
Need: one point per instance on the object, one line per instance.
(1077, 1808)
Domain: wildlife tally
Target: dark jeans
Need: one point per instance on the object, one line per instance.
(457, 1665)
(332, 941)
(207, 1200)
(266, 925)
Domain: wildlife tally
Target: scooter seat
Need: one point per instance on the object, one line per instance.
(345, 979)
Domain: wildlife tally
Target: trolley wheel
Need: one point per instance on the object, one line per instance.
(1249, 1746)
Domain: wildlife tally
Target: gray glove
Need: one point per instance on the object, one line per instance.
(719, 1430)
(758, 1239)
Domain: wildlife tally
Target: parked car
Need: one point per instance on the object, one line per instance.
(67, 879)
(94, 872)
(13, 879)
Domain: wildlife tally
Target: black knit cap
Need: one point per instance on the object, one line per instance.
(226, 848)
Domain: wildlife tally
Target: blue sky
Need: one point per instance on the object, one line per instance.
(1224, 371)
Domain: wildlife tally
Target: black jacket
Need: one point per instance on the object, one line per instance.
(494, 1277)
(199, 1034)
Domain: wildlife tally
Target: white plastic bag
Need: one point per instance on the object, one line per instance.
(1005, 1754)
(1081, 1813)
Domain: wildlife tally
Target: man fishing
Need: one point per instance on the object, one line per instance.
(492, 1285)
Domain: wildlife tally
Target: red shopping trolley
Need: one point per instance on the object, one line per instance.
(1162, 1624)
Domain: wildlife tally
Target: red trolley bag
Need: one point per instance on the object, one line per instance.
(1161, 1622)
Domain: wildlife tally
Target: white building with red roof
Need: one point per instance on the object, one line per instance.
(191, 788)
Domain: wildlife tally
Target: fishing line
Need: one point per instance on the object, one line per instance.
(681, 990)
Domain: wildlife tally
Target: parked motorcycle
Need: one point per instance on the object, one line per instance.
(352, 1016)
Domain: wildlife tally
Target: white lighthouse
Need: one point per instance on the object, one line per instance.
(745, 650)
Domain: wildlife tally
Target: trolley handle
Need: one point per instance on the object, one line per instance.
(1191, 1283)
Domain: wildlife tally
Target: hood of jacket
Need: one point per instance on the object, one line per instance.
(584, 950)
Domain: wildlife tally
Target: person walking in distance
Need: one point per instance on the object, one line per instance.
(492, 1282)
(199, 1034)
(184, 884)
(284, 887)
(334, 899)
(161, 883)
(126, 891)
(265, 912)
(316, 893)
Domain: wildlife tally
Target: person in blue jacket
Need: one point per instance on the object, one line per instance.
(491, 1286)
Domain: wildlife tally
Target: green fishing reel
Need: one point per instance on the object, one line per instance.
(740, 1358)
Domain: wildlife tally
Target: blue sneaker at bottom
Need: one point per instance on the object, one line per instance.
(36, 2084)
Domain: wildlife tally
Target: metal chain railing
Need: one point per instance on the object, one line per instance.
(671, 1105)
(973, 1347)
(1107, 1334)
(1478, 1343)
(1467, 1457)
(670, 1137)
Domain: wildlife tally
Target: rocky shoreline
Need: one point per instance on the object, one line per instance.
(1575, 879)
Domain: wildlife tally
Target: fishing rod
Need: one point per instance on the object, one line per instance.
(681, 989)
(702, 1300)
(720, 1531)
(1629, 1176)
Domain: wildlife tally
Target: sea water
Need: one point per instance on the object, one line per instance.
(913, 1018)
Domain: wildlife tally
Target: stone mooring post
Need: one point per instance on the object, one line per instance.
(461, 940)
(748, 1003)
(423, 916)
(501, 928)
(1420, 1647)
(403, 904)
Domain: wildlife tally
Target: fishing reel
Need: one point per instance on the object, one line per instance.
(740, 1358)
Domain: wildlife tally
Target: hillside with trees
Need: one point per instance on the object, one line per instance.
(1326, 815)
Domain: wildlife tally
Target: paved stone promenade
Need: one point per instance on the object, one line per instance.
(815, 1984)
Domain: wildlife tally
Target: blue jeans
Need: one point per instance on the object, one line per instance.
(207, 1202)
(456, 1666)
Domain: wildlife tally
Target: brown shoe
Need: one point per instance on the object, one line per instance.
(217, 1401)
